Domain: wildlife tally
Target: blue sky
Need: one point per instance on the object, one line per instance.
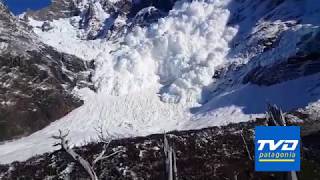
(20, 6)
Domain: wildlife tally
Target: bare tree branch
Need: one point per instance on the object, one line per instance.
(275, 117)
(170, 161)
(64, 145)
(246, 145)
(101, 157)
(105, 137)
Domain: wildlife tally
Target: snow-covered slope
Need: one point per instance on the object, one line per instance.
(206, 63)
(35, 80)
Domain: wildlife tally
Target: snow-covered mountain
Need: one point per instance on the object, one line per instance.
(104, 18)
(161, 66)
(35, 80)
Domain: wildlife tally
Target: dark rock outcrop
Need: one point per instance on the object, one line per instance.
(305, 62)
(57, 9)
(105, 19)
(35, 80)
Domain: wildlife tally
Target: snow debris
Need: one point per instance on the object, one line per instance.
(152, 79)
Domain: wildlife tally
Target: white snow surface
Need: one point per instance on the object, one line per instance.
(65, 37)
(152, 79)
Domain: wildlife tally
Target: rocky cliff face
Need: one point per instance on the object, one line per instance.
(287, 42)
(276, 42)
(304, 62)
(35, 80)
(104, 18)
(57, 9)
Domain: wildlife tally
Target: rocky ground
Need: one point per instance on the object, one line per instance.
(212, 153)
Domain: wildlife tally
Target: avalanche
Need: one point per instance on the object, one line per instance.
(146, 83)
(152, 79)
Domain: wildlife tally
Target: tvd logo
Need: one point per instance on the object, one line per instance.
(285, 145)
(277, 148)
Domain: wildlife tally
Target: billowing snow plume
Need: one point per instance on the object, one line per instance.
(180, 52)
